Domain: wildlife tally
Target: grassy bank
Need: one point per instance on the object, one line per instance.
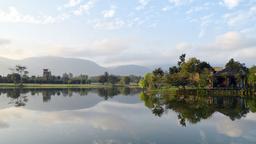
(162, 89)
(10, 85)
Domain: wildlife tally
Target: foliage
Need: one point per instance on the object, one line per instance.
(173, 70)
(239, 70)
(182, 59)
(147, 81)
(125, 80)
(18, 74)
(196, 73)
(104, 78)
(113, 79)
(205, 78)
(252, 75)
(16, 78)
(178, 79)
(193, 108)
(190, 73)
(158, 76)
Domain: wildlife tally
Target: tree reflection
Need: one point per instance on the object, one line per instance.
(107, 93)
(16, 98)
(193, 109)
(19, 96)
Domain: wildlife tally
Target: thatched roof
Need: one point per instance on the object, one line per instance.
(230, 72)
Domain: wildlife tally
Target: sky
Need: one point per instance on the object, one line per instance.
(117, 32)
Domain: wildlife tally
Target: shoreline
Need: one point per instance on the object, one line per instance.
(49, 86)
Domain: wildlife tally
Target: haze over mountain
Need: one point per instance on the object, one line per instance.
(60, 65)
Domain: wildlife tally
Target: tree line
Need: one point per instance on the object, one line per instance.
(196, 73)
(20, 75)
(193, 109)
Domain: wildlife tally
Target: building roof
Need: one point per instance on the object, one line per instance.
(229, 72)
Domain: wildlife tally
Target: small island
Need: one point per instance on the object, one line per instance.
(196, 74)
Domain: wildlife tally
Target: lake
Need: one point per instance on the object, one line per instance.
(124, 116)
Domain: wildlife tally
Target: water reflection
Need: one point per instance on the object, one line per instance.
(19, 96)
(193, 109)
(123, 116)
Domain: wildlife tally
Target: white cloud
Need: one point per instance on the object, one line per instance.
(180, 2)
(176, 2)
(102, 48)
(105, 47)
(183, 46)
(103, 116)
(15, 16)
(4, 41)
(85, 8)
(142, 4)
(109, 13)
(242, 17)
(234, 40)
(112, 24)
(229, 40)
(229, 129)
(166, 8)
(197, 9)
(73, 3)
(205, 21)
(228, 45)
(231, 3)
(203, 137)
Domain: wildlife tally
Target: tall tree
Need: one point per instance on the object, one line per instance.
(113, 79)
(173, 70)
(147, 81)
(65, 78)
(182, 59)
(19, 73)
(158, 75)
(126, 80)
(104, 78)
(252, 75)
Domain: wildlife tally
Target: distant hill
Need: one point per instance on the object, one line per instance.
(129, 70)
(60, 65)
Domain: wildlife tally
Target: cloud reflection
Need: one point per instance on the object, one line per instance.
(104, 116)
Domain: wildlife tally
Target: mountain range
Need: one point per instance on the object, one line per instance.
(60, 65)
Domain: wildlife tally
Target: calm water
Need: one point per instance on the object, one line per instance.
(123, 116)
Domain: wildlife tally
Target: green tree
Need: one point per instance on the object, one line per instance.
(252, 75)
(113, 79)
(239, 70)
(182, 59)
(158, 77)
(83, 79)
(104, 78)
(18, 74)
(202, 66)
(65, 78)
(15, 78)
(142, 83)
(189, 72)
(237, 67)
(179, 79)
(125, 80)
(173, 70)
(204, 78)
(199, 73)
(147, 81)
